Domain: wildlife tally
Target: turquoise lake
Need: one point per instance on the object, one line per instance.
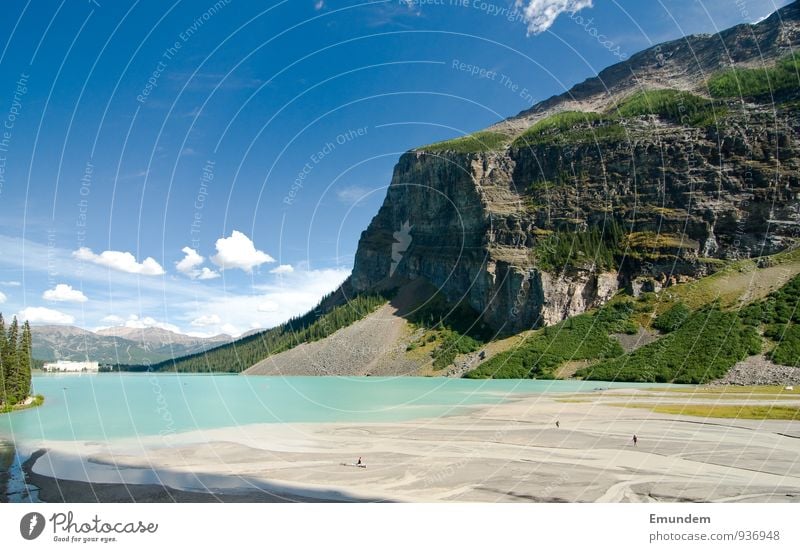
(108, 406)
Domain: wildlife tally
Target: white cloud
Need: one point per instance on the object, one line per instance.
(207, 274)
(64, 293)
(231, 330)
(282, 269)
(134, 321)
(3, 298)
(270, 304)
(42, 315)
(12, 283)
(352, 194)
(319, 4)
(238, 251)
(206, 320)
(190, 265)
(112, 319)
(541, 14)
(121, 261)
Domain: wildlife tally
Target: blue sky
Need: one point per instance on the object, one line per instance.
(208, 166)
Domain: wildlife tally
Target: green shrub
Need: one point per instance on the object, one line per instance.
(787, 351)
(672, 319)
(702, 349)
(563, 249)
(452, 345)
(581, 337)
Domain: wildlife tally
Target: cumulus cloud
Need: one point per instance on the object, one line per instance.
(541, 14)
(206, 320)
(112, 319)
(207, 274)
(238, 251)
(64, 293)
(191, 266)
(271, 303)
(42, 315)
(3, 298)
(136, 322)
(190, 262)
(282, 269)
(121, 261)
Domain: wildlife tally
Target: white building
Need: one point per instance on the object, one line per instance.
(71, 366)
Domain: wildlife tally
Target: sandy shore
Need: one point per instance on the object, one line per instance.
(500, 453)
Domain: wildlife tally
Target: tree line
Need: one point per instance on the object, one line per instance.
(15, 363)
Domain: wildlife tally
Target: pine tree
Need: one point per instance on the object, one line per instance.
(3, 353)
(11, 364)
(25, 360)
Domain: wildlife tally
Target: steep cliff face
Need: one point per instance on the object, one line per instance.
(664, 200)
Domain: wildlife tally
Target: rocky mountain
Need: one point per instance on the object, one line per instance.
(675, 172)
(118, 345)
(655, 172)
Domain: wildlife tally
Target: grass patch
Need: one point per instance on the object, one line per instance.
(675, 106)
(569, 127)
(578, 338)
(742, 412)
(486, 140)
(763, 81)
(735, 389)
(659, 240)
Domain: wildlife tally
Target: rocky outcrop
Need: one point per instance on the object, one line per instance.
(477, 225)
(757, 370)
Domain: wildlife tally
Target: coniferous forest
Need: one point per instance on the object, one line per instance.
(15, 363)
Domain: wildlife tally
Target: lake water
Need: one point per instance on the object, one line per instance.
(119, 405)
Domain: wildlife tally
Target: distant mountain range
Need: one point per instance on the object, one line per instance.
(119, 345)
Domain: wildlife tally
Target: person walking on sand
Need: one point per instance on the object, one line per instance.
(635, 439)
(359, 461)
(557, 424)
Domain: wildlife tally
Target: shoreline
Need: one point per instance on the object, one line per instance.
(56, 490)
(507, 452)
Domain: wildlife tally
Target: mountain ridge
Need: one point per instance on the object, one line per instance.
(117, 345)
(770, 39)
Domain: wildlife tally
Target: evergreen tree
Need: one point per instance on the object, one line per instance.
(26, 360)
(11, 364)
(15, 362)
(3, 353)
